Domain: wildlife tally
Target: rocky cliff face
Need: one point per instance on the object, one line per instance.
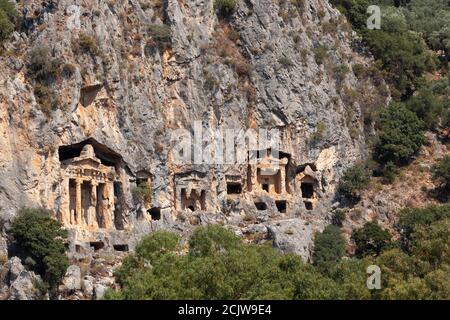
(125, 74)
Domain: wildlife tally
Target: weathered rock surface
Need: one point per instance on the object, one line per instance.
(271, 65)
(72, 279)
(22, 283)
(293, 236)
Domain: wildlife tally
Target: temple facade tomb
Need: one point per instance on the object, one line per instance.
(234, 184)
(268, 174)
(89, 192)
(309, 184)
(191, 190)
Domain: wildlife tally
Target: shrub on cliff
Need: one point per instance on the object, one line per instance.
(161, 35)
(225, 7)
(143, 192)
(441, 173)
(8, 19)
(41, 66)
(40, 238)
(354, 180)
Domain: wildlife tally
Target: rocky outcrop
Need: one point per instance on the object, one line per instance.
(293, 236)
(23, 284)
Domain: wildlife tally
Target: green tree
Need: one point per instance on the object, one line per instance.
(329, 246)
(42, 239)
(370, 240)
(354, 180)
(400, 134)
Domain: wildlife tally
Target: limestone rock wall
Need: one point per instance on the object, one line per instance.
(270, 65)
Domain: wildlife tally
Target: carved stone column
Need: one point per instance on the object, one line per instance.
(254, 178)
(65, 203)
(78, 213)
(92, 214)
(107, 200)
(282, 180)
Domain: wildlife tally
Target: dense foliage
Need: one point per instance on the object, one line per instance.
(40, 238)
(329, 246)
(412, 47)
(370, 240)
(218, 265)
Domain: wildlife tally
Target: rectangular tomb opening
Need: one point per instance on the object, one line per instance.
(307, 190)
(234, 188)
(101, 206)
(119, 219)
(85, 199)
(155, 213)
(72, 200)
(121, 247)
(281, 205)
(260, 205)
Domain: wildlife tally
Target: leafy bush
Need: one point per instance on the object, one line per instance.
(329, 246)
(285, 62)
(156, 244)
(431, 244)
(354, 180)
(207, 241)
(427, 106)
(340, 71)
(68, 69)
(400, 134)
(41, 66)
(225, 7)
(299, 4)
(389, 171)
(44, 96)
(143, 192)
(8, 19)
(320, 53)
(43, 70)
(441, 173)
(85, 44)
(214, 269)
(161, 35)
(319, 133)
(41, 238)
(370, 240)
(404, 54)
(338, 217)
